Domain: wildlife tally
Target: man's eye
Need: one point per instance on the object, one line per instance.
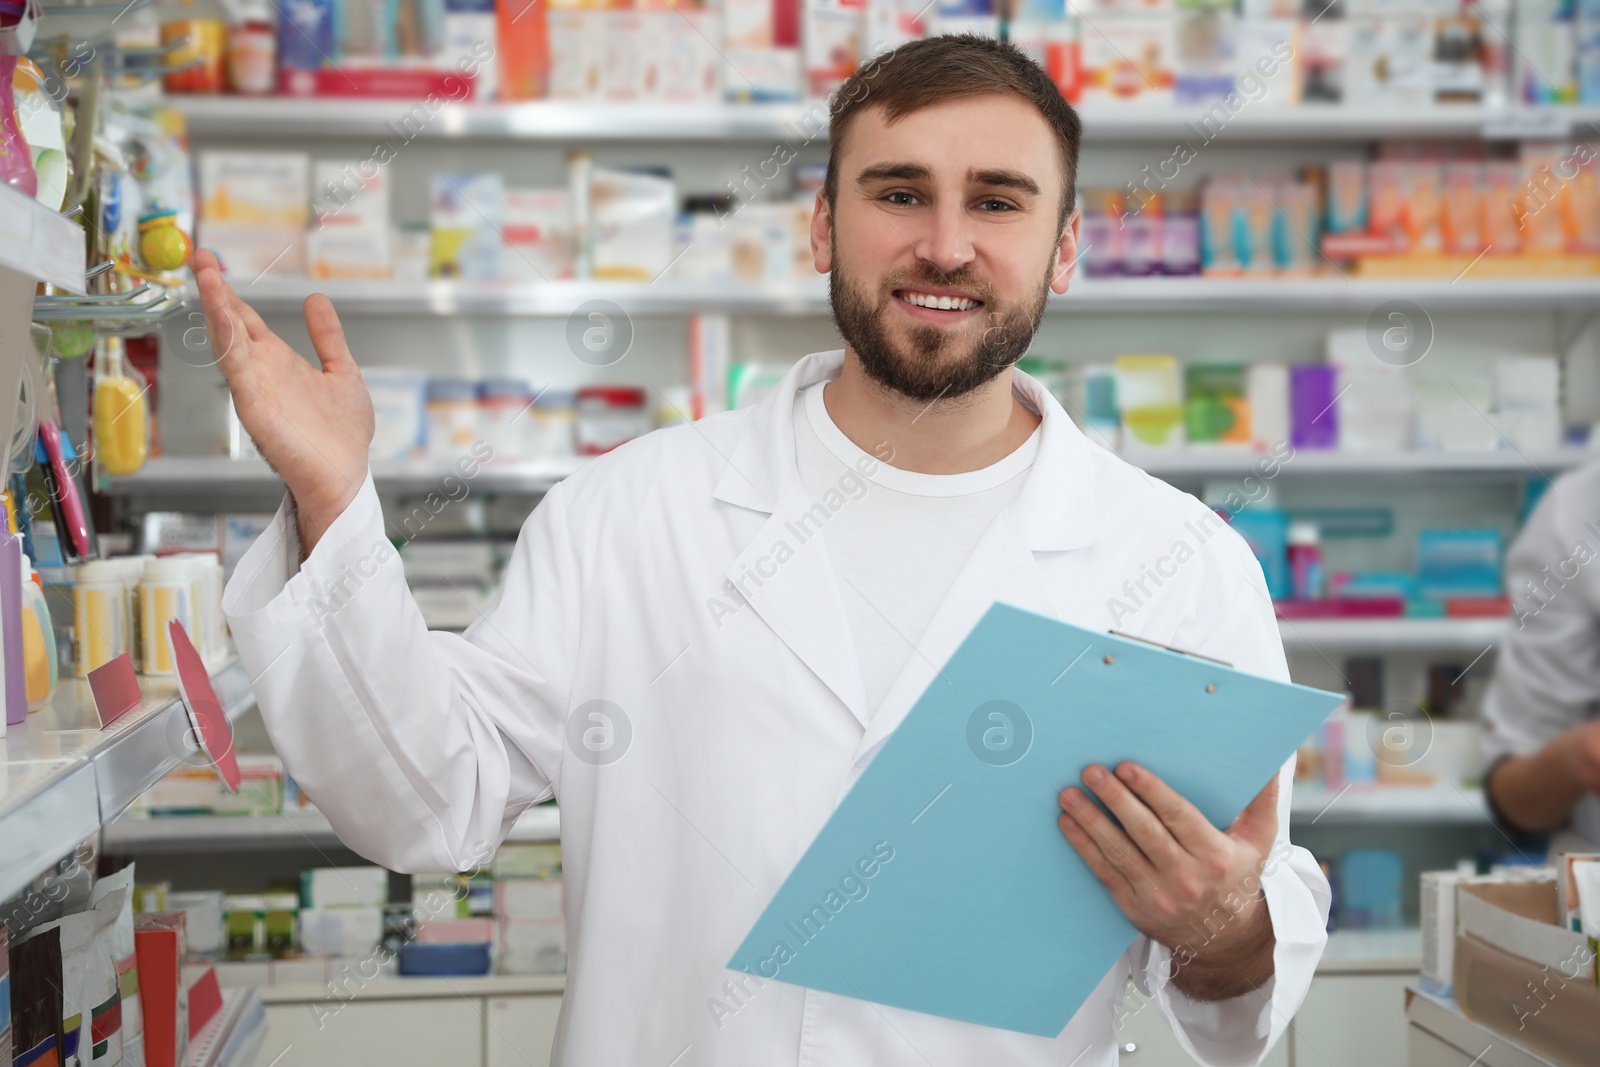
(901, 199)
(996, 205)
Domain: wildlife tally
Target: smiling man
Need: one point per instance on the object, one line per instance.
(704, 637)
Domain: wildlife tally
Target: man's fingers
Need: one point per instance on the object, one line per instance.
(1258, 823)
(327, 336)
(1094, 857)
(1142, 825)
(225, 330)
(1113, 842)
(1192, 830)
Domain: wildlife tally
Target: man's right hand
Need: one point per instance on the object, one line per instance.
(312, 426)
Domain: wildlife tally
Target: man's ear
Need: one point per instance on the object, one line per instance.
(821, 235)
(1066, 254)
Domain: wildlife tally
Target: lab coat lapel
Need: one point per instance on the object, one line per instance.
(785, 574)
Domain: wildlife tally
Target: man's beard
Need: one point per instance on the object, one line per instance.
(925, 370)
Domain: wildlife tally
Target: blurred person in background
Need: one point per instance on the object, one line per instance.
(1543, 705)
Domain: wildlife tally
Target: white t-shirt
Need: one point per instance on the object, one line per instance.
(901, 538)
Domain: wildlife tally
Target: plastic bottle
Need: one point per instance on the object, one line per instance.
(40, 666)
(1305, 560)
(166, 592)
(16, 159)
(16, 689)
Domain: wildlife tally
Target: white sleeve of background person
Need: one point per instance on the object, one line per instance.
(421, 748)
(1548, 672)
(1241, 1030)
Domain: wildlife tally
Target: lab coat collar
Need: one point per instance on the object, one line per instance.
(1054, 510)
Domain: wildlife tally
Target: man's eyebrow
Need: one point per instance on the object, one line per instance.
(1009, 179)
(995, 176)
(894, 172)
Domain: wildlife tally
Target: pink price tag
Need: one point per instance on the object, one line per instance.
(116, 689)
(205, 711)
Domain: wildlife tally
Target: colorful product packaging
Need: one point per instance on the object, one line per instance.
(523, 45)
(1150, 399)
(1129, 58)
(761, 44)
(1313, 413)
(349, 235)
(466, 214)
(538, 235)
(253, 211)
(832, 35)
(1216, 407)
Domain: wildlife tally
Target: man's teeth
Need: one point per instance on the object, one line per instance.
(942, 303)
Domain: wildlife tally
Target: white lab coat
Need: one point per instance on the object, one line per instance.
(1547, 680)
(652, 580)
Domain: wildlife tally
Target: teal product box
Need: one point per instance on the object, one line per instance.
(1266, 531)
(1459, 563)
(1370, 881)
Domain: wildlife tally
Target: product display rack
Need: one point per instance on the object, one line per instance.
(804, 122)
(810, 298)
(189, 833)
(65, 777)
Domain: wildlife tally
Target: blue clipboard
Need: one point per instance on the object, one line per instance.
(941, 883)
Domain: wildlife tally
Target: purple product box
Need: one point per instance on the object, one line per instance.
(1313, 415)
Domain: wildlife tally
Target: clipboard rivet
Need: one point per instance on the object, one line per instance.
(1109, 660)
(1212, 688)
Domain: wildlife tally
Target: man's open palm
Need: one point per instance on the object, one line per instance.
(313, 426)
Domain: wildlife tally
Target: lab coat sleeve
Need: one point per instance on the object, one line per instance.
(421, 748)
(1240, 1031)
(1547, 679)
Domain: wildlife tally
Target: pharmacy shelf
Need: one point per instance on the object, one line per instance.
(799, 124)
(1368, 804)
(1369, 951)
(40, 243)
(1198, 463)
(195, 833)
(408, 988)
(211, 475)
(64, 777)
(201, 476)
(800, 298)
(1329, 636)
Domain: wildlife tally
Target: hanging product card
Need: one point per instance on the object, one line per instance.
(116, 689)
(205, 711)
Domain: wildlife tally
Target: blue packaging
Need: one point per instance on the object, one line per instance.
(1458, 563)
(305, 35)
(1266, 531)
(1370, 881)
(464, 958)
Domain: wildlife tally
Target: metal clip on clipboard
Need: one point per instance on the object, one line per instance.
(1169, 648)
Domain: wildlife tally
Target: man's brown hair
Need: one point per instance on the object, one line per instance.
(933, 70)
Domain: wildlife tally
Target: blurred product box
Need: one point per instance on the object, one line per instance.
(206, 917)
(538, 235)
(761, 46)
(253, 212)
(577, 30)
(466, 214)
(198, 791)
(399, 399)
(528, 860)
(455, 931)
(341, 931)
(633, 214)
(528, 898)
(349, 236)
(525, 947)
(344, 887)
(1150, 399)
(1129, 58)
(832, 35)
